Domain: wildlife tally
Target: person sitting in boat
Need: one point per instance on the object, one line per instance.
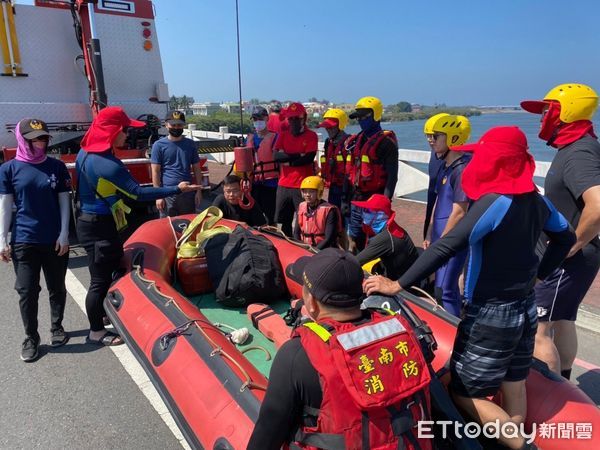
(444, 130)
(40, 189)
(318, 223)
(173, 160)
(494, 344)
(102, 179)
(229, 203)
(385, 238)
(308, 402)
(296, 148)
(266, 173)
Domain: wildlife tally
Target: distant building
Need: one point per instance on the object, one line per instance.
(205, 108)
(230, 107)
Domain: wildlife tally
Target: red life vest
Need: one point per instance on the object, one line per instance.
(264, 166)
(333, 162)
(312, 224)
(363, 168)
(375, 385)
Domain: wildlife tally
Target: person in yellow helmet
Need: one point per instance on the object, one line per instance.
(318, 223)
(333, 160)
(573, 186)
(448, 203)
(371, 164)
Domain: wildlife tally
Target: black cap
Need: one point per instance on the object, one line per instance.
(258, 112)
(175, 118)
(275, 106)
(332, 276)
(360, 113)
(33, 128)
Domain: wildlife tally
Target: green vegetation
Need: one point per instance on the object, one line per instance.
(184, 102)
(399, 112)
(221, 119)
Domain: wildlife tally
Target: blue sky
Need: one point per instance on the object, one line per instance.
(463, 52)
(453, 52)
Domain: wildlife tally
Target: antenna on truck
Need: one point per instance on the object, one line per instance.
(237, 24)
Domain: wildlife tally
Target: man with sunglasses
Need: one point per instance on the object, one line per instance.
(447, 202)
(573, 185)
(371, 164)
(173, 160)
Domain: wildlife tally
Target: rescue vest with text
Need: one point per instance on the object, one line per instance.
(265, 168)
(312, 223)
(333, 161)
(363, 168)
(375, 385)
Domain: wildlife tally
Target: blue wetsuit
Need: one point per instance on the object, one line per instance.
(109, 177)
(448, 191)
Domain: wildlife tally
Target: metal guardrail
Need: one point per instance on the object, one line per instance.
(410, 179)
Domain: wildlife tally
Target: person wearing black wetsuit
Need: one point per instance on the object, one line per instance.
(102, 178)
(494, 344)
(229, 203)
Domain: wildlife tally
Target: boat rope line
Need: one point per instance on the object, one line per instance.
(276, 231)
(217, 349)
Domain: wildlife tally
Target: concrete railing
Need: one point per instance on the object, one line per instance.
(410, 179)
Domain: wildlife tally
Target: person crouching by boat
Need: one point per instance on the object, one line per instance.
(334, 382)
(173, 160)
(40, 189)
(229, 203)
(385, 238)
(442, 131)
(296, 148)
(266, 173)
(318, 223)
(333, 159)
(371, 164)
(573, 185)
(102, 178)
(494, 342)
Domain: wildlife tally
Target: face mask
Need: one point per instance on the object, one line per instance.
(175, 132)
(260, 125)
(332, 132)
(550, 122)
(39, 146)
(296, 127)
(367, 123)
(377, 221)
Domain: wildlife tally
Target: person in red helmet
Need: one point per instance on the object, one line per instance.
(573, 185)
(296, 149)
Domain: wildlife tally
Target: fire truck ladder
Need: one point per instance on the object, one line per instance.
(11, 57)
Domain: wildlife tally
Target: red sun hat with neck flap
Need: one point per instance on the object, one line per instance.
(500, 164)
(105, 128)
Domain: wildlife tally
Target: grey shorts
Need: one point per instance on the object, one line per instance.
(494, 343)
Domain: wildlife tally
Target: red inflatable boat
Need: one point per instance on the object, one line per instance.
(214, 387)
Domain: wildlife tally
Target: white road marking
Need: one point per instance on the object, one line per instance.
(78, 292)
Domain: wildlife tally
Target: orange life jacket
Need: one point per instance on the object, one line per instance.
(265, 168)
(312, 223)
(333, 162)
(364, 170)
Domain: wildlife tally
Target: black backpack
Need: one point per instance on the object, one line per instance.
(244, 268)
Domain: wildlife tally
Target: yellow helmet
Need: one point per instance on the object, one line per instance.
(372, 103)
(338, 114)
(428, 128)
(313, 182)
(577, 102)
(456, 128)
